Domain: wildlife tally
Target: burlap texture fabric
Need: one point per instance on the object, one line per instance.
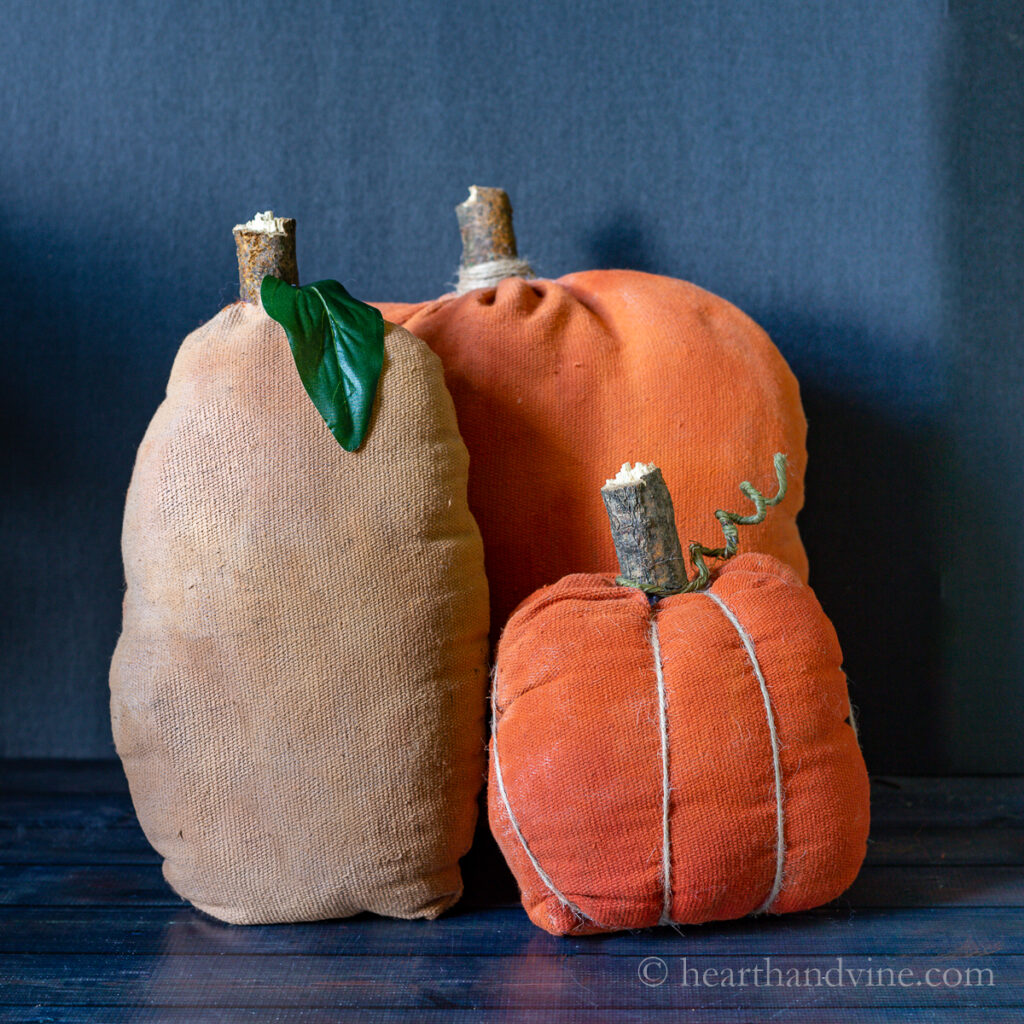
(298, 692)
(739, 788)
(557, 383)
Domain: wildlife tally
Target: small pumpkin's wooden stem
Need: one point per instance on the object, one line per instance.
(643, 526)
(489, 252)
(266, 246)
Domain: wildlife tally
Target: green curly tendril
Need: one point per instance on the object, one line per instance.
(729, 521)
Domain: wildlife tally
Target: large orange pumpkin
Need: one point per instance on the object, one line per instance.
(555, 380)
(677, 759)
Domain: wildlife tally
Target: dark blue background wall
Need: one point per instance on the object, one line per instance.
(849, 174)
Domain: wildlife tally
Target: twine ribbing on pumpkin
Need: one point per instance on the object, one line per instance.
(643, 527)
(780, 820)
(853, 722)
(666, 789)
(541, 873)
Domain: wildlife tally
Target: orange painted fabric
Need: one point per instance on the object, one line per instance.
(737, 692)
(557, 383)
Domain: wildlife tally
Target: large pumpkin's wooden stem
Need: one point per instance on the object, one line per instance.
(266, 246)
(489, 252)
(643, 526)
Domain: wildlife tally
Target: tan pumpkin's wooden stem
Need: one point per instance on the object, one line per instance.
(262, 254)
(643, 526)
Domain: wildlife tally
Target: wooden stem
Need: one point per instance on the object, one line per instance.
(489, 253)
(643, 526)
(485, 223)
(265, 247)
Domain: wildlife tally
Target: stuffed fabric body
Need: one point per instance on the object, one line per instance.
(299, 689)
(687, 762)
(557, 382)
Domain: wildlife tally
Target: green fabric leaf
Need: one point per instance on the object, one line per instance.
(338, 346)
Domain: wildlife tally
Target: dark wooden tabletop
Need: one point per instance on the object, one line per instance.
(933, 930)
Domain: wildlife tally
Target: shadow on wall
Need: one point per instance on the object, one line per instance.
(875, 555)
(912, 514)
(869, 528)
(61, 493)
(869, 519)
(982, 108)
(623, 239)
(84, 367)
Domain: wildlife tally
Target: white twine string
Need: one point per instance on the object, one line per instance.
(666, 849)
(780, 841)
(487, 275)
(496, 763)
(853, 719)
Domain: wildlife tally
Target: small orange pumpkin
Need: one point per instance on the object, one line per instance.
(668, 750)
(553, 380)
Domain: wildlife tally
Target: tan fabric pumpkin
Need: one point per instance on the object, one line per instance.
(299, 689)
